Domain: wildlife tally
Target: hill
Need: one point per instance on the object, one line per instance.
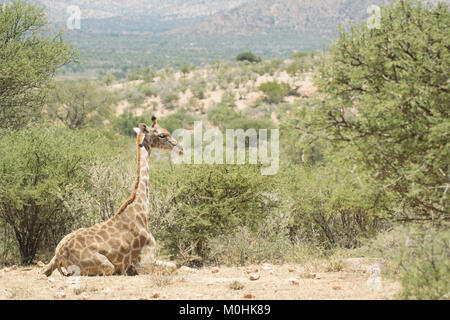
(271, 16)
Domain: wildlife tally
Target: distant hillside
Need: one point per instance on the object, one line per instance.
(267, 16)
(174, 9)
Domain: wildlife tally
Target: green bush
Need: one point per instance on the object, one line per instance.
(425, 266)
(247, 56)
(386, 91)
(330, 208)
(275, 91)
(180, 119)
(222, 114)
(39, 172)
(126, 122)
(206, 202)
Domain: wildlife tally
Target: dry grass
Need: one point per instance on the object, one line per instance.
(274, 283)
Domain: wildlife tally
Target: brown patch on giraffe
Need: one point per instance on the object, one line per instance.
(103, 234)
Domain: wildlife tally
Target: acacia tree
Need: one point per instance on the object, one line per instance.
(385, 91)
(29, 57)
(79, 103)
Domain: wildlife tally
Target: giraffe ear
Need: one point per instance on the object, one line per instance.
(137, 130)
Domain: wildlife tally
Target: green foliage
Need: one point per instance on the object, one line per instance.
(185, 69)
(386, 91)
(170, 97)
(78, 104)
(247, 56)
(126, 122)
(425, 266)
(331, 208)
(38, 174)
(247, 123)
(417, 254)
(222, 114)
(209, 201)
(275, 91)
(109, 79)
(180, 119)
(29, 57)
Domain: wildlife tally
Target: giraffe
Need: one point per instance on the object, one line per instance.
(123, 244)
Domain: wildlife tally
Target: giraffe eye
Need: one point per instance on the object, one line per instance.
(162, 135)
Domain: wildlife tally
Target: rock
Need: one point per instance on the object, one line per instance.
(40, 264)
(215, 270)
(254, 277)
(294, 281)
(317, 276)
(106, 291)
(14, 267)
(337, 287)
(187, 269)
(249, 296)
(51, 280)
(60, 295)
(291, 269)
(271, 271)
(165, 296)
(266, 268)
(155, 295)
(199, 296)
(27, 269)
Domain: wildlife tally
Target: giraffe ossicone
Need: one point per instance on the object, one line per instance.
(122, 244)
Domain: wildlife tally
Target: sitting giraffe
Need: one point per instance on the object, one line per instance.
(122, 244)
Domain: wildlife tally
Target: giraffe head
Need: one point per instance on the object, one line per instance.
(156, 137)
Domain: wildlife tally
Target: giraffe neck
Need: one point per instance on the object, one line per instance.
(136, 207)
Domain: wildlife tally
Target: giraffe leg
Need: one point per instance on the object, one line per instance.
(97, 265)
(146, 259)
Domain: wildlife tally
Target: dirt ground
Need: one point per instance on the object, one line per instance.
(273, 282)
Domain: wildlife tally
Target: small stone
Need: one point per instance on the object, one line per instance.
(337, 287)
(14, 267)
(106, 290)
(266, 268)
(51, 280)
(271, 271)
(215, 270)
(40, 264)
(60, 295)
(165, 296)
(27, 269)
(249, 296)
(294, 281)
(187, 269)
(155, 295)
(317, 276)
(291, 269)
(254, 277)
(199, 296)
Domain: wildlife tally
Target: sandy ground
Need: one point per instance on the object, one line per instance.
(286, 282)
